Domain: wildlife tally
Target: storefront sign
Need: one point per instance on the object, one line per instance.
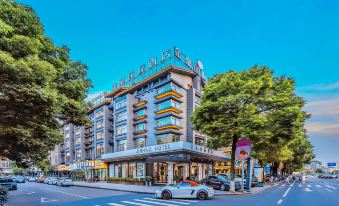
(169, 57)
(179, 146)
(63, 168)
(86, 165)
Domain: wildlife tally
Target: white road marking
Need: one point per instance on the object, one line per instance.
(285, 194)
(42, 200)
(300, 185)
(153, 202)
(307, 189)
(318, 186)
(115, 204)
(329, 186)
(276, 184)
(309, 185)
(189, 200)
(170, 201)
(68, 193)
(280, 201)
(283, 185)
(329, 190)
(135, 203)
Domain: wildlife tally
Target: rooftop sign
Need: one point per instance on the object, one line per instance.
(154, 65)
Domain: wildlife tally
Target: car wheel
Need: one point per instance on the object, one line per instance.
(222, 187)
(227, 188)
(202, 195)
(166, 195)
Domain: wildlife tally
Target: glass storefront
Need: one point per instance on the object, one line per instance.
(160, 172)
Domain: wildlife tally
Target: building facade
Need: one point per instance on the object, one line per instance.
(5, 167)
(143, 127)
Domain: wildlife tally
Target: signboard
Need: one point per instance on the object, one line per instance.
(169, 57)
(63, 168)
(243, 150)
(331, 164)
(89, 164)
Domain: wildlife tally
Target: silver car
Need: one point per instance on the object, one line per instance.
(64, 182)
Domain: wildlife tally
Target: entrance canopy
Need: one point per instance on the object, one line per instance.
(173, 148)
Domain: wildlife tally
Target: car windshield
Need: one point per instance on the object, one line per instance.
(220, 177)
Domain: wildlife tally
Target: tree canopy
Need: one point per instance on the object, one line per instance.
(257, 105)
(40, 86)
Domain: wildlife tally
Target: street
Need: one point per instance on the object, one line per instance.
(312, 192)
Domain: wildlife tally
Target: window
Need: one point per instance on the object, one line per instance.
(168, 87)
(68, 157)
(140, 127)
(167, 104)
(122, 145)
(168, 138)
(77, 141)
(140, 169)
(121, 116)
(140, 113)
(98, 135)
(120, 104)
(77, 131)
(67, 144)
(66, 135)
(121, 129)
(99, 150)
(184, 184)
(99, 124)
(140, 142)
(170, 120)
(199, 141)
(78, 154)
(99, 114)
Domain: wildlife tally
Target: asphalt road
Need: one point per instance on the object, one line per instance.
(313, 192)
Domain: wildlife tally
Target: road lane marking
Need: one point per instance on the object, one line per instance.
(329, 190)
(43, 200)
(153, 202)
(300, 185)
(135, 203)
(283, 185)
(115, 204)
(329, 186)
(276, 184)
(318, 186)
(280, 201)
(285, 194)
(170, 201)
(68, 193)
(309, 185)
(189, 200)
(307, 189)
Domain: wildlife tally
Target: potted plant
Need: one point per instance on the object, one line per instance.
(148, 181)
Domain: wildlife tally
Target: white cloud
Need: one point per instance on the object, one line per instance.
(321, 87)
(93, 95)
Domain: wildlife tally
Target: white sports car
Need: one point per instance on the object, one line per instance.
(185, 189)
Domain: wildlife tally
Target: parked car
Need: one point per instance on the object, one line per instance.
(55, 180)
(64, 182)
(19, 179)
(31, 179)
(40, 179)
(8, 183)
(46, 180)
(221, 182)
(185, 189)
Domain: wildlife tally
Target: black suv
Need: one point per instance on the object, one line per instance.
(8, 183)
(219, 182)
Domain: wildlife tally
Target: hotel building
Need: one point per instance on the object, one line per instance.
(143, 128)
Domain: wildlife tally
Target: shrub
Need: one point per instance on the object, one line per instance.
(3, 195)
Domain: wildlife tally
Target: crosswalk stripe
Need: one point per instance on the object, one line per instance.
(300, 185)
(329, 186)
(170, 201)
(136, 203)
(318, 186)
(115, 204)
(189, 200)
(329, 190)
(153, 202)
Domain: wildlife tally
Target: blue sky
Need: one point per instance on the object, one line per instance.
(296, 38)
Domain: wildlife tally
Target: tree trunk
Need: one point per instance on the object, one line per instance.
(234, 146)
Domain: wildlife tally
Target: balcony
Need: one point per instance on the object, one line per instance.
(140, 118)
(110, 141)
(111, 129)
(169, 126)
(110, 118)
(139, 104)
(169, 109)
(167, 93)
(140, 132)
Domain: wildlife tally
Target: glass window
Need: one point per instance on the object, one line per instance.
(200, 141)
(99, 124)
(140, 127)
(168, 87)
(99, 114)
(122, 145)
(121, 129)
(77, 141)
(120, 104)
(68, 156)
(140, 142)
(170, 120)
(140, 169)
(99, 135)
(78, 154)
(67, 144)
(121, 116)
(140, 113)
(168, 138)
(99, 150)
(167, 104)
(77, 131)
(184, 184)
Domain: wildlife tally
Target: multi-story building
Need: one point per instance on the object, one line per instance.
(143, 127)
(5, 166)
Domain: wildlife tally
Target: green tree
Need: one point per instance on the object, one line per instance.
(253, 104)
(17, 170)
(44, 165)
(40, 86)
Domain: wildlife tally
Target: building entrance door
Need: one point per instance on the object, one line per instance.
(160, 172)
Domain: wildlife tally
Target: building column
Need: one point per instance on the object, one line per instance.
(170, 173)
(200, 171)
(186, 171)
(210, 169)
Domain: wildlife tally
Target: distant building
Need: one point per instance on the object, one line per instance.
(5, 167)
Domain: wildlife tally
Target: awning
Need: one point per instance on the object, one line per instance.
(101, 166)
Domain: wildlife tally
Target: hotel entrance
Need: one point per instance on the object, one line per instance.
(160, 172)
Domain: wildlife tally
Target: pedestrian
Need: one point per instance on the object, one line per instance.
(287, 179)
(271, 179)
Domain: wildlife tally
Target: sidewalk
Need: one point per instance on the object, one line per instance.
(152, 189)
